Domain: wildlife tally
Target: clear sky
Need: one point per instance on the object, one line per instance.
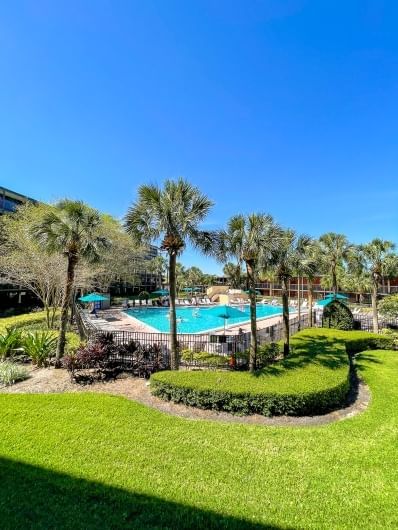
(287, 107)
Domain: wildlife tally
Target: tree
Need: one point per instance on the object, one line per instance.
(194, 277)
(390, 270)
(70, 229)
(374, 257)
(250, 240)
(232, 271)
(22, 261)
(312, 264)
(335, 250)
(157, 266)
(172, 214)
(289, 259)
(389, 306)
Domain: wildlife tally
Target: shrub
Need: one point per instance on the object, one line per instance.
(204, 358)
(22, 321)
(337, 315)
(266, 354)
(40, 346)
(10, 340)
(389, 306)
(11, 373)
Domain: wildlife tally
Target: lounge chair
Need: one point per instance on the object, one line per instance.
(186, 302)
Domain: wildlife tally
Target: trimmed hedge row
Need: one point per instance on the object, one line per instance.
(21, 321)
(313, 380)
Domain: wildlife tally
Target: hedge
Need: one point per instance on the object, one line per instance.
(314, 379)
(21, 321)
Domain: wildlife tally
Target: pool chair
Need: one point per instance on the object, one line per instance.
(208, 301)
(186, 302)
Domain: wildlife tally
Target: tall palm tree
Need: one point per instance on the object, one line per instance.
(72, 229)
(375, 257)
(157, 266)
(173, 215)
(390, 270)
(232, 271)
(250, 240)
(289, 258)
(312, 266)
(335, 250)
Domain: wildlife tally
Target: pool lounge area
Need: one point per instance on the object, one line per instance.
(198, 319)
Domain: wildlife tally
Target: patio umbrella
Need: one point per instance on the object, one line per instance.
(93, 297)
(161, 292)
(225, 312)
(337, 296)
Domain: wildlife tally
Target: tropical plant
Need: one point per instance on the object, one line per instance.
(10, 340)
(70, 229)
(11, 373)
(251, 240)
(289, 259)
(389, 306)
(173, 215)
(158, 266)
(338, 316)
(372, 259)
(40, 346)
(390, 270)
(334, 250)
(233, 273)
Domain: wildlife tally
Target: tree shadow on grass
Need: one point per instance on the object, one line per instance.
(36, 498)
(317, 350)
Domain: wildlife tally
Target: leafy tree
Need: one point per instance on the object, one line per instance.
(289, 258)
(373, 259)
(233, 272)
(158, 266)
(334, 250)
(70, 229)
(250, 240)
(338, 316)
(389, 306)
(173, 215)
(22, 261)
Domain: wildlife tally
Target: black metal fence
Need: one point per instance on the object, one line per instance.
(227, 345)
(365, 323)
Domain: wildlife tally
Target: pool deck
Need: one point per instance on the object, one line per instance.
(116, 320)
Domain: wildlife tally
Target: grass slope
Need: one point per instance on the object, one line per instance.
(90, 461)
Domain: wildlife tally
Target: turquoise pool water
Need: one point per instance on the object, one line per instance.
(196, 319)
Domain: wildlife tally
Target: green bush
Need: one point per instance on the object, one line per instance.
(10, 373)
(205, 358)
(10, 340)
(338, 316)
(22, 321)
(40, 346)
(389, 306)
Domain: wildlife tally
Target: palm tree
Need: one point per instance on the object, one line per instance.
(173, 214)
(249, 239)
(72, 229)
(232, 271)
(390, 270)
(289, 258)
(157, 266)
(312, 266)
(335, 250)
(375, 256)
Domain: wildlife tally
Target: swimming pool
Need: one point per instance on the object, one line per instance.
(196, 319)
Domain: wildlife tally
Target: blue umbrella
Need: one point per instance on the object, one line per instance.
(93, 297)
(225, 312)
(161, 292)
(337, 296)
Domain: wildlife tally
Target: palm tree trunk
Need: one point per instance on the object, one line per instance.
(253, 316)
(310, 290)
(70, 276)
(334, 280)
(388, 285)
(374, 308)
(285, 316)
(174, 361)
(298, 303)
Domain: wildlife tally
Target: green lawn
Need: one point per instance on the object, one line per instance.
(96, 461)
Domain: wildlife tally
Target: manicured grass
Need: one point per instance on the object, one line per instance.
(96, 461)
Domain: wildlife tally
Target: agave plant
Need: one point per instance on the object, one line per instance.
(40, 346)
(10, 340)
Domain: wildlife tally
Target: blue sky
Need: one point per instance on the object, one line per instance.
(286, 107)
